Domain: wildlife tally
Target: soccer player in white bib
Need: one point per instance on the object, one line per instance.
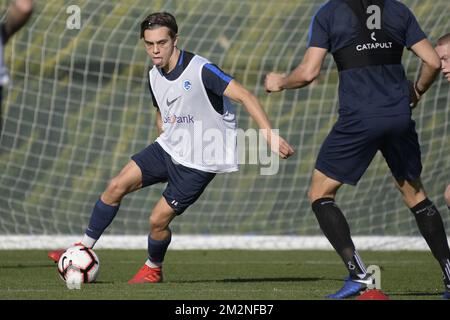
(192, 101)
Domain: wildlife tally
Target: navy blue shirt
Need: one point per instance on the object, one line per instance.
(214, 80)
(371, 91)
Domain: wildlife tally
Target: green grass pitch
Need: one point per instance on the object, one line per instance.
(219, 275)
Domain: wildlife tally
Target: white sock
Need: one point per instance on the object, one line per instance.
(88, 241)
(153, 264)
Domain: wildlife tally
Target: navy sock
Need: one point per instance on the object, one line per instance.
(101, 217)
(157, 249)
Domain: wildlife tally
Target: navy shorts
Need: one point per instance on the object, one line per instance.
(184, 185)
(352, 144)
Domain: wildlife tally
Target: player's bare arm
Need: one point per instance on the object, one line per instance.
(159, 122)
(18, 14)
(431, 65)
(238, 93)
(304, 74)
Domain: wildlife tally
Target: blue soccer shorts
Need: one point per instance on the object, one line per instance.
(352, 144)
(184, 185)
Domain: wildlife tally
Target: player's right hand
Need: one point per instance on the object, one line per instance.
(274, 81)
(414, 96)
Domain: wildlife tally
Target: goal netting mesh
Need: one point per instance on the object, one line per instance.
(78, 106)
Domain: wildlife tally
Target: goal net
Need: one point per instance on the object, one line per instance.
(78, 106)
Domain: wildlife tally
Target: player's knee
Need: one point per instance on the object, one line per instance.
(157, 224)
(116, 189)
(412, 192)
(413, 198)
(315, 194)
(311, 196)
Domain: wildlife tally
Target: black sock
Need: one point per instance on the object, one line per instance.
(336, 229)
(432, 229)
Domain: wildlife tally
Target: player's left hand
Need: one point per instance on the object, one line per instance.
(273, 82)
(284, 150)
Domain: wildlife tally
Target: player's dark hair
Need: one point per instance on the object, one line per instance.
(160, 19)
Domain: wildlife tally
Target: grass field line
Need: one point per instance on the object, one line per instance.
(25, 290)
(217, 242)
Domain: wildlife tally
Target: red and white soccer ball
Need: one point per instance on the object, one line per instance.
(79, 264)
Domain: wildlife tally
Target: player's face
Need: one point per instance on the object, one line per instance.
(159, 45)
(444, 54)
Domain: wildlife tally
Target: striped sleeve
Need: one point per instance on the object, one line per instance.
(215, 79)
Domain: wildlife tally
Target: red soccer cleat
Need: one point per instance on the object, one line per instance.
(56, 254)
(147, 275)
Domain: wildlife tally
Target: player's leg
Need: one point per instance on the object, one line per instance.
(105, 209)
(412, 191)
(160, 233)
(336, 229)
(146, 168)
(429, 221)
(159, 240)
(343, 158)
(333, 223)
(402, 153)
(185, 185)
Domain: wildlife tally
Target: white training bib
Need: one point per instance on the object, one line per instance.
(194, 133)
